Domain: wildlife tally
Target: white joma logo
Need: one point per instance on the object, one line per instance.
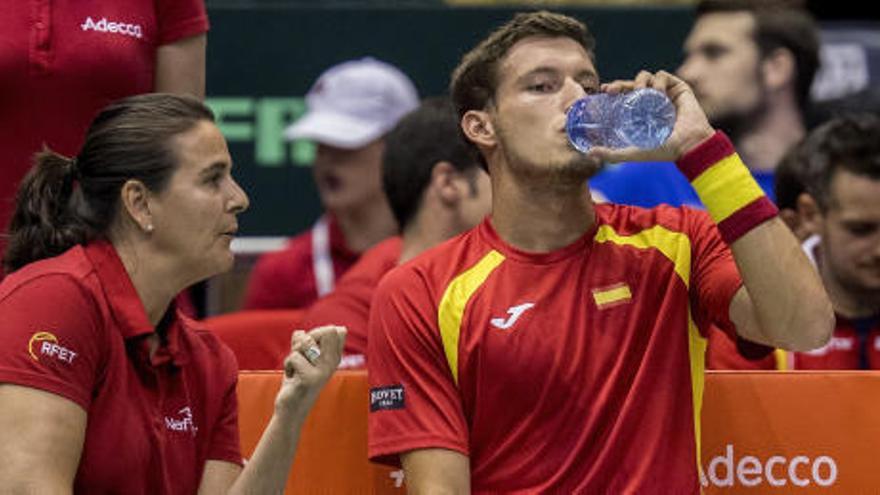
(105, 26)
(515, 312)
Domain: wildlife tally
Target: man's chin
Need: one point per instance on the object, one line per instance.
(584, 167)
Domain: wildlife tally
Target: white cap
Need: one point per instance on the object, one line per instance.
(354, 103)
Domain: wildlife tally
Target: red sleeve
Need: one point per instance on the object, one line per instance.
(51, 339)
(225, 444)
(714, 275)
(414, 403)
(723, 353)
(178, 19)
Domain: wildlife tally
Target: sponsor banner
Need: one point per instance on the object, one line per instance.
(791, 432)
(763, 432)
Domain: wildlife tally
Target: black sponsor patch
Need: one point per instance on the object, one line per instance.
(390, 397)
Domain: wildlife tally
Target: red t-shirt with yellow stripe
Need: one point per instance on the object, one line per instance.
(573, 371)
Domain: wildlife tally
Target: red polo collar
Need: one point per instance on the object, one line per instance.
(127, 309)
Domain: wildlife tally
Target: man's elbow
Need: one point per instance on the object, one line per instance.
(813, 326)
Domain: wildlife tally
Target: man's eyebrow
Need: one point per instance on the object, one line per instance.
(588, 75)
(539, 71)
(584, 74)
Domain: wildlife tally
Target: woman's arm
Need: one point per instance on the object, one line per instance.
(41, 441)
(268, 468)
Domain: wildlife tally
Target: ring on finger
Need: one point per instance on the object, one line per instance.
(312, 353)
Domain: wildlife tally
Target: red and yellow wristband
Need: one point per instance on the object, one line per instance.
(724, 184)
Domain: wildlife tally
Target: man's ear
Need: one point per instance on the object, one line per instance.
(477, 127)
(809, 215)
(135, 199)
(778, 69)
(444, 183)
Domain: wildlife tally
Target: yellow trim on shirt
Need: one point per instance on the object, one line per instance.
(726, 187)
(674, 245)
(781, 358)
(454, 300)
(697, 353)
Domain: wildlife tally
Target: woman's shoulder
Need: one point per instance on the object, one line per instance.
(67, 276)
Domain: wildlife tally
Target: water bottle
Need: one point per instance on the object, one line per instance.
(642, 118)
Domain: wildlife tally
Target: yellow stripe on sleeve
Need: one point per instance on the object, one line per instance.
(726, 187)
(454, 300)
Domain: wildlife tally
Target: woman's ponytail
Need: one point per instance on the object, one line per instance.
(45, 222)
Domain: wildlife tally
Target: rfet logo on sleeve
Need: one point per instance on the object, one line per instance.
(390, 397)
(46, 344)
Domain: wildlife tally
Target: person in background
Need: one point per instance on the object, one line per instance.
(842, 209)
(350, 109)
(62, 62)
(790, 186)
(542, 351)
(436, 188)
(94, 349)
(751, 64)
(828, 187)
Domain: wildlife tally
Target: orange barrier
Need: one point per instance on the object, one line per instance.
(332, 453)
(763, 432)
(793, 432)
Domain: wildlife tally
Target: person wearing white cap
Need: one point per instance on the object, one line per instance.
(351, 107)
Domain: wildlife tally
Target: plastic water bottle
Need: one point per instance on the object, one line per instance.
(642, 118)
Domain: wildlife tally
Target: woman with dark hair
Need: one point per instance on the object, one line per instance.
(104, 386)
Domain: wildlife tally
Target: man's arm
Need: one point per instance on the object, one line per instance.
(436, 472)
(782, 302)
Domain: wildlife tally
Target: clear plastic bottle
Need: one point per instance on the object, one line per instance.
(642, 118)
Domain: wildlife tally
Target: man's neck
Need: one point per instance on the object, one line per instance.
(366, 225)
(432, 225)
(764, 145)
(540, 217)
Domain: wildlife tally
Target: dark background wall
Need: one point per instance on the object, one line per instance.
(263, 58)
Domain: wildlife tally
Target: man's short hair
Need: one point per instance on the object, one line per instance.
(779, 24)
(424, 137)
(850, 143)
(790, 176)
(475, 80)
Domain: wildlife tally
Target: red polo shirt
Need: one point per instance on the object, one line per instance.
(305, 270)
(74, 326)
(64, 60)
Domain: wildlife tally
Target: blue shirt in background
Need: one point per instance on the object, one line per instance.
(648, 184)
